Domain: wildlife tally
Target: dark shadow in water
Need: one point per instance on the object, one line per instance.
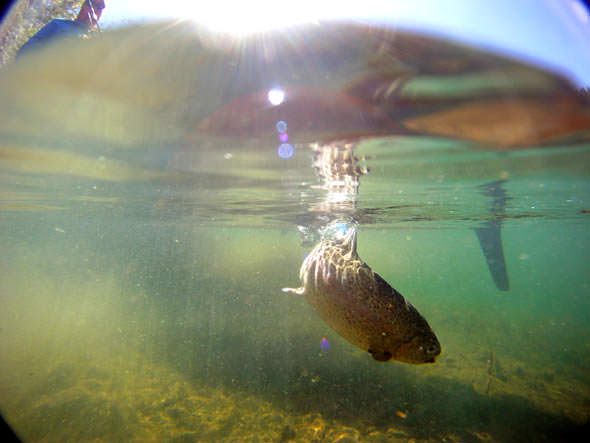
(357, 394)
(490, 233)
(490, 241)
(7, 433)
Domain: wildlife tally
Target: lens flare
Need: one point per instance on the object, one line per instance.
(281, 126)
(276, 96)
(286, 150)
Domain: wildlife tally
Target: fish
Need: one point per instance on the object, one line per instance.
(361, 306)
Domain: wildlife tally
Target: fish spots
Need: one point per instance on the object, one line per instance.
(362, 307)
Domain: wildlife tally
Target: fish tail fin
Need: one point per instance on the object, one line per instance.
(297, 291)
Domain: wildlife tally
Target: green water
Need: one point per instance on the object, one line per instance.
(142, 267)
(143, 310)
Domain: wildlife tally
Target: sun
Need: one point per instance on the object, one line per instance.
(242, 17)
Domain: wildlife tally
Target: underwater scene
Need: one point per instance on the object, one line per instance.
(342, 233)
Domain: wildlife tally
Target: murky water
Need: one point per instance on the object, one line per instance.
(144, 251)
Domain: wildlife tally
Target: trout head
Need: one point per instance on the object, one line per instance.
(422, 348)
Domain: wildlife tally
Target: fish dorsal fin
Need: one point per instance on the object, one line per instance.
(353, 243)
(350, 242)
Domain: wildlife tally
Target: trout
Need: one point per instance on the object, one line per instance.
(361, 306)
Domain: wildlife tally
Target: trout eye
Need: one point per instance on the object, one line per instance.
(431, 349)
